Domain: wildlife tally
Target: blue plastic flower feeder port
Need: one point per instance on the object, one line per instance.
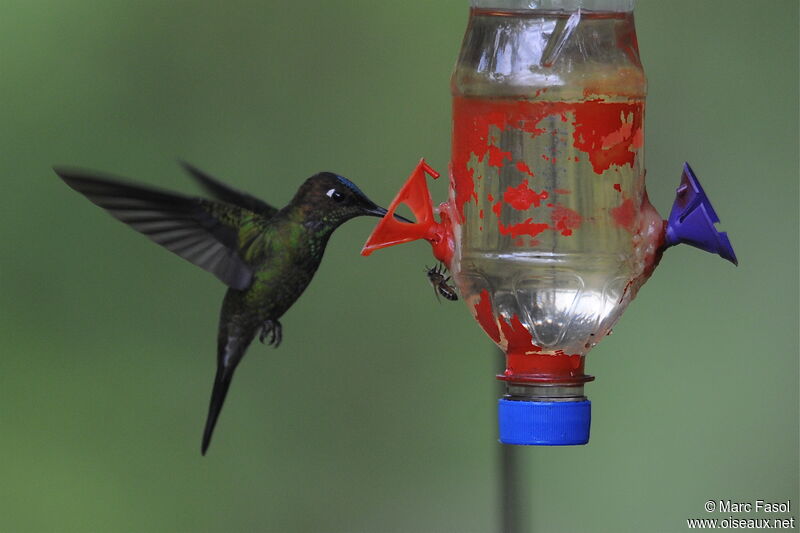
(692, 220)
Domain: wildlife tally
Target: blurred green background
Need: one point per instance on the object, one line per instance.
(377, 412)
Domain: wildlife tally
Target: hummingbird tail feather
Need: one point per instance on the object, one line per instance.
(222, 382)
(233, 343)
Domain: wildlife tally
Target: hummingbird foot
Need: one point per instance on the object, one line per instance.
(273, 330)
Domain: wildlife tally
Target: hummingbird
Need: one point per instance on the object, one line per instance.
(266, 256)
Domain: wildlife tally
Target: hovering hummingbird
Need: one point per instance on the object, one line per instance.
(266, 256)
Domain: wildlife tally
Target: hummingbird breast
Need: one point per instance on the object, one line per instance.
(287, 267)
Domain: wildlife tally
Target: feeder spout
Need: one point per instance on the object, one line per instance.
(416, 196)
(692, 220)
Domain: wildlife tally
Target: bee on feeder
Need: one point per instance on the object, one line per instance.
(439, 281)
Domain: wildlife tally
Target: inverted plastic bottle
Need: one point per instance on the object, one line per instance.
(548, 181)
(548, 231)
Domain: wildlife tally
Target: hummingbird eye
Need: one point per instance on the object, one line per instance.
(335, 195)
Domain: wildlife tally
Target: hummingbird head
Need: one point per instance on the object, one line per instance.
(335, 199)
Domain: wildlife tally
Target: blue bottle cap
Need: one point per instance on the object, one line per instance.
(544, 423)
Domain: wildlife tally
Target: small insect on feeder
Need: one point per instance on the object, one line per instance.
(548, 231)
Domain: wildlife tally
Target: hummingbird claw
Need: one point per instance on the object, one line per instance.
(277, 334)
(273, 330)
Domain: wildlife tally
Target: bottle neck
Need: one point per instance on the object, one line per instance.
(617, 6)
(537, 392)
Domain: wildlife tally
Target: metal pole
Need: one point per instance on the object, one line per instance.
(511, 496)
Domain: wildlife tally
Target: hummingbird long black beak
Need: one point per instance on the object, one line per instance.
(378, 211)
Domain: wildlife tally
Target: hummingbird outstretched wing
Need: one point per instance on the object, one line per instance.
(193, 228)
(226, 193)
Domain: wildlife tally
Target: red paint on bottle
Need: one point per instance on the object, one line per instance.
(472, 120)
(562, 352)
(562, 191)
(605, 131)
(618, 187)
(522, 367)
(637, 141)
(565, 219)
(480, 214)
(497, 156)
(522, 166)
(522, 197)
(464, 187)
(497, 208)
(490, 197)
(650, 245)
(625, 215)
(523, 228)
(517, 336)
(485, 316)
(527, 362)
(608, 132)
(616, 137)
